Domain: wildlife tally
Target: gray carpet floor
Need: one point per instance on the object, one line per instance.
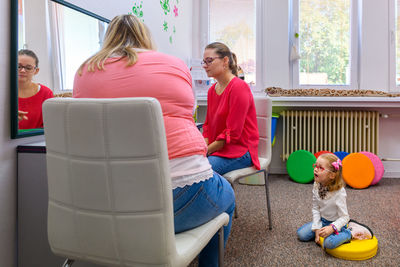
(252, 244)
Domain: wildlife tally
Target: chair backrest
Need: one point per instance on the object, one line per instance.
(110, 196)
(264, 119)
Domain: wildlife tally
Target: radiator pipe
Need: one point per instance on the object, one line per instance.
(385, 116)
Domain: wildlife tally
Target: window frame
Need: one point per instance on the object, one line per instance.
(204, 30)
(392, 47)
(354, 48)
(57, 40)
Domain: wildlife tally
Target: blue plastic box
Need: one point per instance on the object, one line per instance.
(275, 118)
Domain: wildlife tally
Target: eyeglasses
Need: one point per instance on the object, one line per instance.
(320, 168)
(207, 61)
(28, 68)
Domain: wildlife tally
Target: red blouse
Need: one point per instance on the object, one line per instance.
(33, 105)
(231, 116)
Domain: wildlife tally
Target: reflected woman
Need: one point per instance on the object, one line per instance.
(30, 95)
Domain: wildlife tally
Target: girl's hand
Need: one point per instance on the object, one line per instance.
(317, 236)
(326, 231)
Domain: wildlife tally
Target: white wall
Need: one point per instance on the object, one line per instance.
(154, 17)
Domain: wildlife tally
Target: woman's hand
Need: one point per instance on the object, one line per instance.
(22, 115)
(326, 231)
(215, 146)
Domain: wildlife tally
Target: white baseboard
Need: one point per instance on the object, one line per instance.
(391, 174)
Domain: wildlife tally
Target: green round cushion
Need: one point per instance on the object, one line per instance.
(299, 166)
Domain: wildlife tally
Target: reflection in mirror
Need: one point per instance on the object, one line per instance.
(51, 39)
(31, 95)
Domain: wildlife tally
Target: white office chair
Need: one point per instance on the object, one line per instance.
(264, 119)
(110, 196)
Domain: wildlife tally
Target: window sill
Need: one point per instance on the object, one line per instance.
(324, 101)
(321, 101)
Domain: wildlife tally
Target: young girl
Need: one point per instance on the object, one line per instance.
(329, 208)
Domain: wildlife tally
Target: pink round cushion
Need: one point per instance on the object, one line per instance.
(378, 165)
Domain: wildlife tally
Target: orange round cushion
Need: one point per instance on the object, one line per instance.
(358, 170)
(319, 153)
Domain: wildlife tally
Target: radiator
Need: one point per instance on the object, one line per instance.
(332, 130)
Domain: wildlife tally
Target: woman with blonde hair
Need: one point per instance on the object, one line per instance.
(128, 66)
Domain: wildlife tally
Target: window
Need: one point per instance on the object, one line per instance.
(394, 45)
(21, 25)
(233, 22)
(324, 43)
(397, 42)
(73, 46)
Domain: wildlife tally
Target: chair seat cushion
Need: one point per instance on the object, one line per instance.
(355, 250)
(232, 176)
(191, 242)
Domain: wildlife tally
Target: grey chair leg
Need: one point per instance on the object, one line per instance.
(221, 247)
(267, 196)
(68, 263)
(235, 213)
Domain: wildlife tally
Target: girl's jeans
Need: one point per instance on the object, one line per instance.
(197, 204)
(333, 241)
(223, 165)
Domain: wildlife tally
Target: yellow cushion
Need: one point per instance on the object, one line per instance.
(355, 250)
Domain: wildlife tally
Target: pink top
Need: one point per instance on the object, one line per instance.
(232, 117)
(157, 75)
(33, 105)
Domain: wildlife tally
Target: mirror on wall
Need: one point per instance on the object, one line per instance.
(49, 40)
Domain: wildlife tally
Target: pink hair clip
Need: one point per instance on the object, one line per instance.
(337, 164)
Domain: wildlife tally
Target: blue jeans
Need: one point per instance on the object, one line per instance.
(333, 241)
(223, 165)
(199, 203)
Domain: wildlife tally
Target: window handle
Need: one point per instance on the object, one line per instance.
(392, 37)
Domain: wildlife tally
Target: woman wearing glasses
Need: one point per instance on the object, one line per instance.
(128, 66)
(230, 128)
(31, 95)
